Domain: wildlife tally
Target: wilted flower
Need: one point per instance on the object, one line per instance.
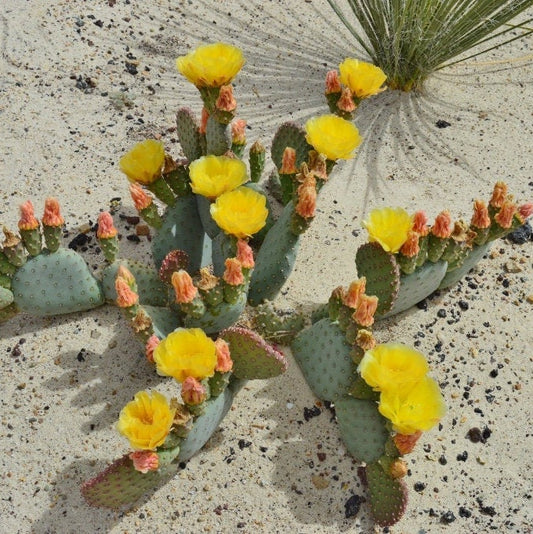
(143, 163)
(332, 136)
(420, 225)
(504, 217)
(226, 101)
(52, 215)
(233, 273)
(480, 218)
(499, 194)
(412, 409)
(186, 352)
(345, 102)
(389, 227)
(238, 132)
(144, 461)
(363, 79)
(307, 195)
(365, 339)
(288, 161)
(141, 199)
(146, 420)
(398, 468)
(406, 443)
(333, 84)
(193, 392)
(224, 361)
(366, 308)
(211, 65)
(211, 176)
(151, 344)
(391, 366)
(245, 254)
(126, 297)
(411, 246)
(106, 228)
(525, 211)
(183, 286)
(443, 225)
(356, 289)
(241, 212)
(27, 217)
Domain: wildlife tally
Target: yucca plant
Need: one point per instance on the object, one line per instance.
(410, 39)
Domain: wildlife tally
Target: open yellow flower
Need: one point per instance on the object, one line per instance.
(389, 227)
(146, 420)
(392, 366)
(241, 212)
(186, 352)
(363, 79)
(415, 409)
(211, 65)
(332, 136)
(213, 175)
(143, 163)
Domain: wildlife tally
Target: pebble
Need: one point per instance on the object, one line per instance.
(319, 482)
(512, 267)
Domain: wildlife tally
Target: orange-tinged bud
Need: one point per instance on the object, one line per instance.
(233, 274)
(203, 121)
(333, 83)
(126, 297)
(480, 218)
(141, 199)
(352, 296)
(151, 344)
(505, 216)
(420, 223)
(106, 228)
(364, 315)
(224, 361)
(27, 217)
(288, 161)
(525, 211)
(398, 468)
(443, 225)
(52, 215)
(183, 287)
(226, 100)
(238, 132)
(124, 273)
(317, 165)
(307, 195)
(499, 194)
(144, 461)
(245, 254)
(207, 279)
(345, 102)
(405, 443)
(193, 392)
(411, 247)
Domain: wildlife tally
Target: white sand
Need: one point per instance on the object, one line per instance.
(62, 393)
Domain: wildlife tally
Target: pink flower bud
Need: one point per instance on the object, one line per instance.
(352, 296)
(192, 391)
(151, 344)
(411, 246)
(443, 225)
(288, 161)
(345, 102)
(245, 254)
(505, 216)
(144, 461)
(233, 274)
(106, 228)
(333, 83)
(52, 215)
(525, 211)
(307, 195)
(224, 361)
(480, 218)
(141, 199)
(183, 287)
(225, 100)
(499, 194)
(364, 315)
(126, 297)
(27, 217)
(420, 223)
(203, 121)
(238, 132)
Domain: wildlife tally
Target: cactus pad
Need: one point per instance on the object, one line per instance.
(217, 136)
(362, 428)
(323, 355)
(252, 356)
(382, 274)
(290, 135)
(52, 284)
(387, 496)
(189, 134)
(453, 275)
(164, 320)
(6, 297)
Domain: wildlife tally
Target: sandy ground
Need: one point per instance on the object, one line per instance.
(83, 81)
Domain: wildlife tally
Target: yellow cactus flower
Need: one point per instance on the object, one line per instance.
(211, 176)
(389, 227)
(186, 352)
(363, 79)
(143, 163)
(392, 366)
(146, 420)
(332, 136)
(211, 65)
(241, 212)
(418, 408)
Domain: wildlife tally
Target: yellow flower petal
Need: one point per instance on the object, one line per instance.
(241, 212)
(389, 227)
(211, 65)
(392, 366)
(363, 79)
(143, 163)
(332, 136)
(146, 420)
(186, 352)
(213, 175)
(416, 409)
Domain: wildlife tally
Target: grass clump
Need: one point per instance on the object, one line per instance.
(410, 39)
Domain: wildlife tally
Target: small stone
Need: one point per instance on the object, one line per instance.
(319, 482)
(474, 435)
(529, 298)
(512, 267)
(480, 460)
(352, 506)
(447, 518)
(142, 229)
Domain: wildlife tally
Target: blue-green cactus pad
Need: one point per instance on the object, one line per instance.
(151, 289)
(6, 297)
(164, 320)
(323, 355)
(454, 275)
(204, 210)
(253, 357)
(290, 135)
(56, 283)
(362, 428)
